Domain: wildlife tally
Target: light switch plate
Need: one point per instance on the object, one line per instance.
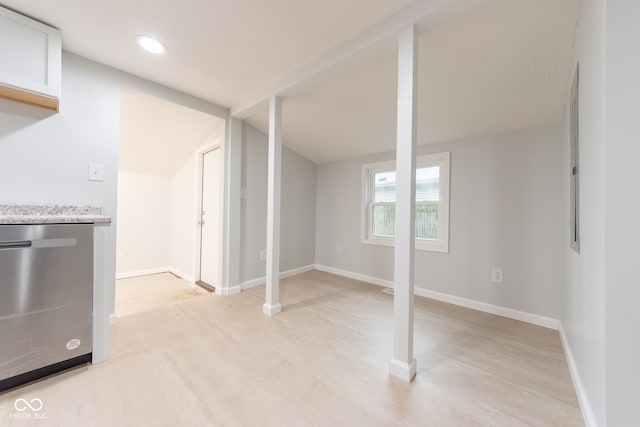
(96, 172)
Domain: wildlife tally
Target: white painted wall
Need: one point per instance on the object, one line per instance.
(168, 239)
(142, 238)
(46, 160)
(183, 219)
(622, 226)
(298, 211)
(600, 315)
(297, 238)
(186, 192)
(506, 210)
(583, 314)
(253, 227)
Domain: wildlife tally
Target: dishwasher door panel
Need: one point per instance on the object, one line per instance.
(46, 295)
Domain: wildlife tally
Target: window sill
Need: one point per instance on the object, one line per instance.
(421, 245)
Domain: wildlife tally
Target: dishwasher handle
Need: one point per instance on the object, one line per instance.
(38, 244)
(15, 245)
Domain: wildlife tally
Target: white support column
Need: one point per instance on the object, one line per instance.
(233, 178)
(402, 364)
(272, 302)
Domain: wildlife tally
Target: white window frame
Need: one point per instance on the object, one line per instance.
(369, 170)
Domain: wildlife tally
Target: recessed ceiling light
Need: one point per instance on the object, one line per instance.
(150, 44)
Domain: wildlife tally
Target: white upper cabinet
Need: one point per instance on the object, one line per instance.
(31, 55)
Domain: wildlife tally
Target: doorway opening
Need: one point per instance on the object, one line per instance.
(169, 166)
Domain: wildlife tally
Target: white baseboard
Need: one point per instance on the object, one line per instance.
(510, 313)
(229, 291)
(146, 272)
(253, 283)
(113, 319)
(283, 274)
(523, 316)
(157, 270)
(355, 276)
(295, 271)
(189, 278)
(583, 399)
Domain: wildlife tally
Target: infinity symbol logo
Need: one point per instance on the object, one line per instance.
(22, 405)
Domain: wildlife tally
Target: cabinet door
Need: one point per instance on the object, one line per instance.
(31, 54)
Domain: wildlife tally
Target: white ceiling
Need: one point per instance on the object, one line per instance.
(500, 68)
(220, 50)
(158, 137)
(490, 66)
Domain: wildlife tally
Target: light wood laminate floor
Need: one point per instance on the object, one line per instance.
(140, 293)
(218, 361)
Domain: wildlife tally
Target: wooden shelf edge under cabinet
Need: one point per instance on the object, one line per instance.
(29, 98)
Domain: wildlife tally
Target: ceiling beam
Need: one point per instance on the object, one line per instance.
(425, 14)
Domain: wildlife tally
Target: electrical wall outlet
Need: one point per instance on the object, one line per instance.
(263, 255)
(497, 275)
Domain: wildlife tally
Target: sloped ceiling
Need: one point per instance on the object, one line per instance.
(158, 137)
(220, 50)
(501, 68)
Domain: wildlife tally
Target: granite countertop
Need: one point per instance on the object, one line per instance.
(51, 214)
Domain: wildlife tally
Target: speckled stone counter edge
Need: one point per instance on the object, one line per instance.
(51, 214)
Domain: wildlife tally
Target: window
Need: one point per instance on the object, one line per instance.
(432, 203)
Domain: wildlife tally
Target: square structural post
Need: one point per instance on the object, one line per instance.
(272, 300)
(402, 364)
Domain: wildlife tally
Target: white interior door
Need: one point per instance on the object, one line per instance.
(211, 219)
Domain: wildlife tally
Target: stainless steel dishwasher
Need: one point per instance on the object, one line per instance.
(46, 300)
